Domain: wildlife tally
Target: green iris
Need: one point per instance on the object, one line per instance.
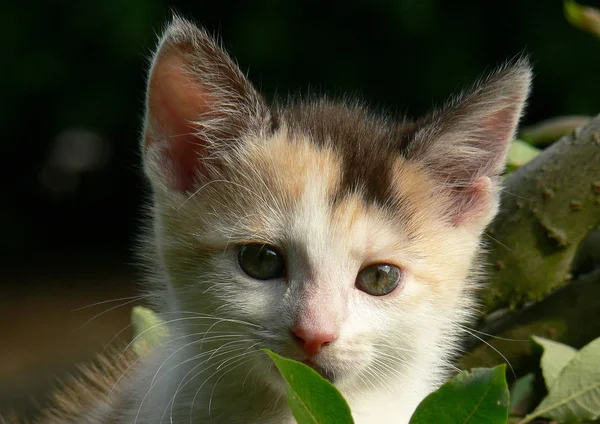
(379, 280)
(261, 261)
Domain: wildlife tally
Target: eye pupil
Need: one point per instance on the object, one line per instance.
(379, 280)
(382, 272)
(261, 261)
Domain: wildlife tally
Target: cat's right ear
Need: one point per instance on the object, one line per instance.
(464, 144)
(197, 102)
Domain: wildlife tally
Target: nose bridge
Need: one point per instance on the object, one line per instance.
(320, 302)
(320, 307)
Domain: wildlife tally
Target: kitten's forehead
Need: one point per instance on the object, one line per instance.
(327, 185)
(304, 180)
(367, 146)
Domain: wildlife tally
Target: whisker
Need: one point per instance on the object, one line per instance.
(508, 339)
(212, 182)
(111, 301)
(112, 339)
(245, 353)
(497, 241)
(248, 375)
(473, 332)
(183, 383)
(122, 375)
(495, 350)
(366, 370)
(380, 373)
(229, 361)
(516, 195)
(401, 360)
(212, 338)
(187, 319)
(154, 385)
(105, 311)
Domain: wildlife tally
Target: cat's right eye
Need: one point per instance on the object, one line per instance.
(261, 261)
(379, 279)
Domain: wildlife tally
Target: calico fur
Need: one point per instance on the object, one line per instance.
(335, 188)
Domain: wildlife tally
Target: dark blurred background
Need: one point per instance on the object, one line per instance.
(72, 97)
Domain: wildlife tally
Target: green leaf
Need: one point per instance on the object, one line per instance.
(583, 17)
(521, 394)
(575, 395)
(148, 329)
(312, 399)
(479, 396)
(520, 153)
(556, 355)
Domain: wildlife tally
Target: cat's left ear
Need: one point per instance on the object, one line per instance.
(465, 144)
(198, 103)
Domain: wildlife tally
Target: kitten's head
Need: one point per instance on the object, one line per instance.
(340, 238)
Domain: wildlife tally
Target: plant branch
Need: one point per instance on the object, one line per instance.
(548, 207)
(569, 315)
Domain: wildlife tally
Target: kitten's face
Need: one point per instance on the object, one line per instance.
(285, 193)
(316, 230)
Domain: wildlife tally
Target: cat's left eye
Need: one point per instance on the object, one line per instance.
(379, 279)
(261, 261)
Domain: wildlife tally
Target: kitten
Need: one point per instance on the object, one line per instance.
(319, 230)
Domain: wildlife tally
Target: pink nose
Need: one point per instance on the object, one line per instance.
(311, 342)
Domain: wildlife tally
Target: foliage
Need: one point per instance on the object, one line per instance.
(573, 382)
(148, 329)
(471, 397)
(556, 356)
(521, 393)
(479, 396)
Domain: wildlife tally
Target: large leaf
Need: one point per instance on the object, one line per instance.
(575, 395)
(556, 355)
(479, 396)
(312, 399)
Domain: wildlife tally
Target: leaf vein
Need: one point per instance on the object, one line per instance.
(478, 403)
(565, 401)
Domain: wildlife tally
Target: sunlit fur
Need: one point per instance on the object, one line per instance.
(415, 195)
(392, 350)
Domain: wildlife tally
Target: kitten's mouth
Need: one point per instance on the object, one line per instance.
(328, 375)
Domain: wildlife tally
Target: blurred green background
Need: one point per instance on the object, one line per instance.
(72, 97)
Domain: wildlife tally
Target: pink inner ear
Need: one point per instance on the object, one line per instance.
(500, 125)
(175, 101)
(474, 202)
